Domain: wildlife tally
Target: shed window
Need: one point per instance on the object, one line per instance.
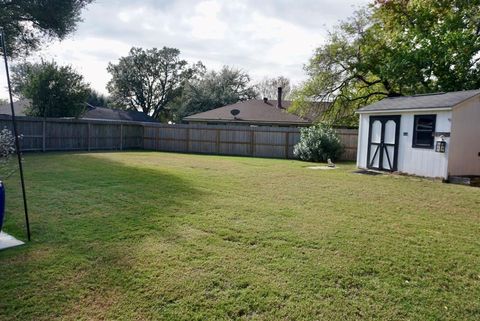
(423, 131)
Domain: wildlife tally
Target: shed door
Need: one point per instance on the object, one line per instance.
(383, 136)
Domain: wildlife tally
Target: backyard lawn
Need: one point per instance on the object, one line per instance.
(161, 236)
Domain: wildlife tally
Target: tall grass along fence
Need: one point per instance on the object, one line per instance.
(53, 134)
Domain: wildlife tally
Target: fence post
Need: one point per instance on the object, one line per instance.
(287, 140)
(121, 136)
(217, 141)
(252, 142)
(188, 140)
(43, 135)
(88, 135)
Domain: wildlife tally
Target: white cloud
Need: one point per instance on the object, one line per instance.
(206, 23)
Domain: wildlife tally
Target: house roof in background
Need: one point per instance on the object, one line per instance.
(425, 101)
(92, 112)
(316, 110)
(253, 111)
(19, 105)
(102, 113)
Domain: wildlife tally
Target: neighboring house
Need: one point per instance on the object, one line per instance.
(92, 112)
(433, 135)
(102, 113)
(19, 105)
(252, 112)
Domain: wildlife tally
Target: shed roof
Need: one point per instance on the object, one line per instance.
(254, 111)
(424, 101)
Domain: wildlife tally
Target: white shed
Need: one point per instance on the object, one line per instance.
(433, 135)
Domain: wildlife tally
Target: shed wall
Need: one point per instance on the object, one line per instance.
(414, 161)
(464, 157)
(362, 145)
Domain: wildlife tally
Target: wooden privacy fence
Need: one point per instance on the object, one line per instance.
(275, 142)
(54, 134)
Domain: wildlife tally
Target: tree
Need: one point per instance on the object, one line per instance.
(212, 90)
(28, 22)
(268, 87)
(435, 45)
(394, 48)
(97, 99)
(149, 80)
(339, 77)
(54, 91)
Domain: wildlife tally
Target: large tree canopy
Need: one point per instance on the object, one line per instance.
(27, 22)
(392, 48)
(149, 80)
(54, 91)
(214, 89)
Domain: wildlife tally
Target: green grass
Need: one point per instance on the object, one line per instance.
(158, 236)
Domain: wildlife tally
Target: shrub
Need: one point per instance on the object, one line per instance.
(318, 143)
(7, 149)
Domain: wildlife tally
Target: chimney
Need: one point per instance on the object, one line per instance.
(279, 98)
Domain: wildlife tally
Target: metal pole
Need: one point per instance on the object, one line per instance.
(15, 132)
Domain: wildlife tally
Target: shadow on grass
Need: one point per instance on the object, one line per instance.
(84, 197)
(87, 213)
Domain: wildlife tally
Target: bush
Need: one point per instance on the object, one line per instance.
(7, 149)
(318, 143)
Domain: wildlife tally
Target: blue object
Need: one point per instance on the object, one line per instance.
(2, 204)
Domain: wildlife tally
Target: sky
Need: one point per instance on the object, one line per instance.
(265, 38)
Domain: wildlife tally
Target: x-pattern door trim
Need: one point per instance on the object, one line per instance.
(381, 148)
